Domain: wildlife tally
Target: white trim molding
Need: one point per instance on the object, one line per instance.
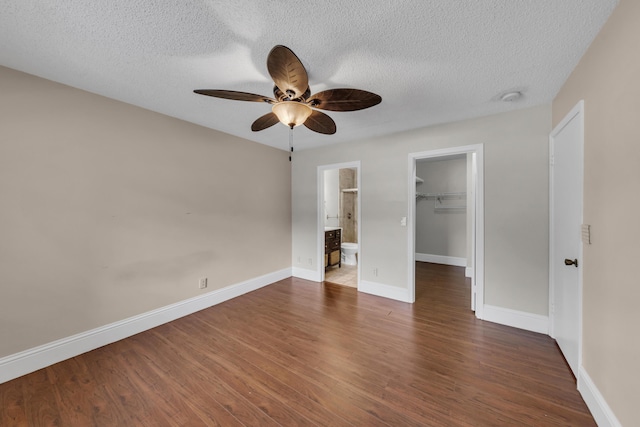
(306, 274)
(386, 291)
(442, 259)
(16, 365)
(517, 319)
(602, 413)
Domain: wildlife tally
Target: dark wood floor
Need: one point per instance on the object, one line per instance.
(301, 353)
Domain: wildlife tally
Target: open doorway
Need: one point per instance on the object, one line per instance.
(339, 223)
(451, 202)
(442, 226)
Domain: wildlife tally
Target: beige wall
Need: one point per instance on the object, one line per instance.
(516, 202)
(608, 79)
(108, 210)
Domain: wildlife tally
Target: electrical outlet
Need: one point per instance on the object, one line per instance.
(310, 261)
(202, 283)
(375, 272)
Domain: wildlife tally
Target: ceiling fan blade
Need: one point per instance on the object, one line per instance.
(264, 122)
(344, 100)
(287, 71)
(321, 123)
(233, 94)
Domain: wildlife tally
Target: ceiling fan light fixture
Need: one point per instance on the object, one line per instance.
(293, 100)
(291, 113)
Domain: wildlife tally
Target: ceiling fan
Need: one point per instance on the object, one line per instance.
(292, 102)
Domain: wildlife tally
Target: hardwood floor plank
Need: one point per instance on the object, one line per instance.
(229, 369)
(107, 368)
(13, 404)
(161, 399)
(40, 401)
(315, 386)
(275, 379)
(302, 353)
(188, 378)
(76, 389)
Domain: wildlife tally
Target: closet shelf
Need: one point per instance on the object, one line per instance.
(445, 201)
(459, 195)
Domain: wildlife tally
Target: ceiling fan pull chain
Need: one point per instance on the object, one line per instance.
(290, 142)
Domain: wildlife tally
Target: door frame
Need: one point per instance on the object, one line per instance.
(477, 232)
(577, 112)
(320, 211)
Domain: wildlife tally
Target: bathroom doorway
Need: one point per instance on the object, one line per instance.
(339, 223)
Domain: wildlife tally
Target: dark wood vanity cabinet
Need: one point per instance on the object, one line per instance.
(332, 240)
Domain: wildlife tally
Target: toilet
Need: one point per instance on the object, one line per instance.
(349, 251)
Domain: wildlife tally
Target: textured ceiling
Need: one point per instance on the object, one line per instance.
(432, 61)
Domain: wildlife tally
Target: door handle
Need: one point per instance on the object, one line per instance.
(571, 262)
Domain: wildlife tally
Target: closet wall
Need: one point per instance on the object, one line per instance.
(441, 223)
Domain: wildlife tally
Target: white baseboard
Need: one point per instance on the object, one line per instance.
(31, 360)
(517, 319)
(303, 273)
(387, 291)
(599, 408)
(442, 259)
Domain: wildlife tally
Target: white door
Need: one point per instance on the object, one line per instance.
(567, 141)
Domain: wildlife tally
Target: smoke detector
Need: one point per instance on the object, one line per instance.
(511, 96)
